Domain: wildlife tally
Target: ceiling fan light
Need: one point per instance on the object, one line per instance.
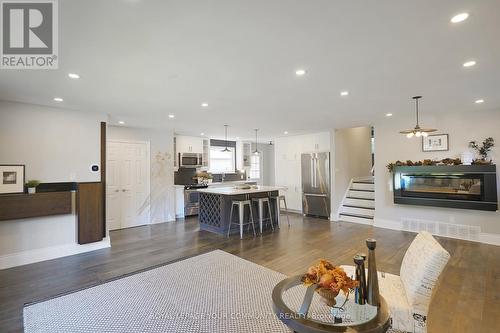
(409, 135)
(425, 134)
(418, 134)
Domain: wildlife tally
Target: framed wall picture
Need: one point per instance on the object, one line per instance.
(11, 179)
(436, 142)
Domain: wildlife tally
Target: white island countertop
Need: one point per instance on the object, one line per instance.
(236, 191)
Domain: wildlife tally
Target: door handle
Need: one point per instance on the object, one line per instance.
(124, 190)
(315, 195)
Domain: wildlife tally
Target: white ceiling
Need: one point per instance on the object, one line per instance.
(142, 60)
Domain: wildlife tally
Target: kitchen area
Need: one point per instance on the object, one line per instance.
(201, 162)
(213, 175)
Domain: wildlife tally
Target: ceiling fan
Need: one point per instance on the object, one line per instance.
(417, 131)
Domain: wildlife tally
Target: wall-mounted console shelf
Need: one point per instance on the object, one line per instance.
(21, 206)
(461, 186)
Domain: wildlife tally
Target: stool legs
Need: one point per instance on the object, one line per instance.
(241, 209)
(251, 217)
(261, 215)
(270, 214)
(286, 212)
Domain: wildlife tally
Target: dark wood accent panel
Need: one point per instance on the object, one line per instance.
(103, 174)
(90, 206)
(21, 206)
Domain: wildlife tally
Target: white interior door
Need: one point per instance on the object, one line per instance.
(128, 185)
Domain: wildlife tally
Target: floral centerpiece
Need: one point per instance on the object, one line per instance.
(330, 280)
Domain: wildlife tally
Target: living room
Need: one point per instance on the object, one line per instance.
(249, 166)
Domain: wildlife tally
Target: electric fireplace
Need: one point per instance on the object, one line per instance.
(460, 186)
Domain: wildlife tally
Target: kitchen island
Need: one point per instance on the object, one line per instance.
(215, 206)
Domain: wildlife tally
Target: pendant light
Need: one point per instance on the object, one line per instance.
(417, 131)
(225, 150)
(256, 152)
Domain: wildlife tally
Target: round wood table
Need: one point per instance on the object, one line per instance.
(299, 318)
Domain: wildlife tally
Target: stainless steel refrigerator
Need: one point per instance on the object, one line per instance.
(316, 184)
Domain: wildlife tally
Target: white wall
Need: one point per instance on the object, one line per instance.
(266, 163)
(352, 159)
(56, 145)
(391, 146)
(162, 167)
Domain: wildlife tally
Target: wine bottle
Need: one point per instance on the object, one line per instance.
(372, 292)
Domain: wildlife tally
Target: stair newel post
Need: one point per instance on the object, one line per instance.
(372, 293)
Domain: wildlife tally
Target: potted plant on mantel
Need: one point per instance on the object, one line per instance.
(483, 150)
(32, 185)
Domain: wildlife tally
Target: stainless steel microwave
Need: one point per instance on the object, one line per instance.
(190, 160)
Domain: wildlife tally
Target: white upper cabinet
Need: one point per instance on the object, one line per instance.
(317, 142)
(189, 144)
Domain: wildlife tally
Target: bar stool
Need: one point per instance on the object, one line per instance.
(260, 206)
(241, 213)
(280, 198)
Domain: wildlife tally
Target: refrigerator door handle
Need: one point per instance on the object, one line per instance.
(312, 172)
(316, 195)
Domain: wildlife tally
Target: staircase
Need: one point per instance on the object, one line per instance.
(358, 205)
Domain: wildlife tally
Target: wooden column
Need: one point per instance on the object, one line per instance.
(91, 202)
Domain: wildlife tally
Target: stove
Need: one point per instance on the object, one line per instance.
(192, 199)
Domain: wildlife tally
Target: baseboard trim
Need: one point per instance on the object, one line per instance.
(483, 237)
(48, 253)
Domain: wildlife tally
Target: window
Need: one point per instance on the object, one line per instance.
(222, 161)
(255, 167)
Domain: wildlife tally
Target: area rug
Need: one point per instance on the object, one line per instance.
(212, 292)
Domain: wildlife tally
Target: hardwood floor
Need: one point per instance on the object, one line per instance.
(467, 300)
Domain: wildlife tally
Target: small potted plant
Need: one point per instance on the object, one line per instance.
(483, 150)
(32, 185)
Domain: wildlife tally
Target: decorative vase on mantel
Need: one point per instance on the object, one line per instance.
(372, 292)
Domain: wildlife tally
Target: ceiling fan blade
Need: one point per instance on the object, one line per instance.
(428, 130)
(407, 131)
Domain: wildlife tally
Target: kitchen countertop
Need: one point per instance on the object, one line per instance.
(234, 191)
(225, 184)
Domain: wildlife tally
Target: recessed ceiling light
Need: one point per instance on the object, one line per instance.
(58, 99)
(202, 134)
(204, 105)
(479, 101)
(459, 18)
(285, 132)
(73, 76)
(121, 122)
(300, 72)
(469, 63)
(388, 114)
(344, 93)
(171, 116)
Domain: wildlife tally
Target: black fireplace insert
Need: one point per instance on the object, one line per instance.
(461, 186)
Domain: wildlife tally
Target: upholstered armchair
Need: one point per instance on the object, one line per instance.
(409, 294)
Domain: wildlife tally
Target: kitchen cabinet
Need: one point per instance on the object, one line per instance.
(316, 142)
(189, 144)
(206, 153)
(247, 152)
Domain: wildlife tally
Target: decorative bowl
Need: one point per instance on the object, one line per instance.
(328, 296)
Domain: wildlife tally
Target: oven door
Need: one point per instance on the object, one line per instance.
(190, 160)
(191, 202)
